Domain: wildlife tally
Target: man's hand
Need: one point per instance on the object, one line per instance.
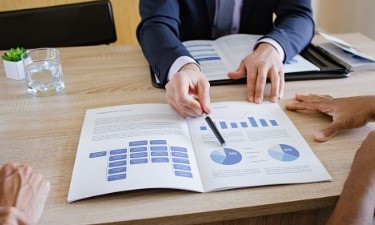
(263, 63)
(188, 91)
(24, 190)
(347, 113)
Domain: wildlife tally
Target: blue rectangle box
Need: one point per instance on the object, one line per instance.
(117, 177)
(183, 174)
(180, 154)
(117, 170)
(139, 161)
(181, 167)
(118, 151)
(138, 155)
(182, 161)
(159, 153)
(160, 160)
(138, 149)
(178, 149)
(117, 157)
(137, 143)
(118, 163)
(158, 142)
(158, 148)
(97, 154)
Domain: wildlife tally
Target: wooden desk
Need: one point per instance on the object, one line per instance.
(44, 132)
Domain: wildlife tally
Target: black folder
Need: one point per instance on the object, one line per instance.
(329, 68)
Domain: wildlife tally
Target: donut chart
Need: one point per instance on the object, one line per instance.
(284, 153)
(226, 156)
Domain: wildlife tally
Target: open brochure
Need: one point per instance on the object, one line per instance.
(225, 54)
(143, 146)
(346, 54)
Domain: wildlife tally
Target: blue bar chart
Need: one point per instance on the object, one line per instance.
(248, 122)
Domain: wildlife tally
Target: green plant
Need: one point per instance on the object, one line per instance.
(14, 54)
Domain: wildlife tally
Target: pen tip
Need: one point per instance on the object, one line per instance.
(223, 144)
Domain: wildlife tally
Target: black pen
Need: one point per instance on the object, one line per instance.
(214, 129)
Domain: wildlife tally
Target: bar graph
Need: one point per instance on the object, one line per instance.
(246, 122)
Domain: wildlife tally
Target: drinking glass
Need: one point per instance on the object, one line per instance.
(43, 71)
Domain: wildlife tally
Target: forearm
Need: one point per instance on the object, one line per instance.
(158, 35)
(294, 26)
(357, 202)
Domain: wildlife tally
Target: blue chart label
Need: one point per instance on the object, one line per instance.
(226, 156)
(283, 152)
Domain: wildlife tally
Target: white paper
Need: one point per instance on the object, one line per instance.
(142, 146)
(262, 147)
(350, 60)
(346, 46)
(132, 140)
(225, 54)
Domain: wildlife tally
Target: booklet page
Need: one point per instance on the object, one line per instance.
(225, 54)
(213, 62)
(263, 147)
(133, 147)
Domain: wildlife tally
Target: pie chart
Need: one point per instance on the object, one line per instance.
(226, 156)
(283, 152)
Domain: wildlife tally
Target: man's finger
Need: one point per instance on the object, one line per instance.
(239, 73)
(260, 84)
(282, 84)
(275, 82)
(204, 95)
(251, 81)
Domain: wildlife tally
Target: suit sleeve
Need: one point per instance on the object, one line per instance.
(294, 26)
(158, 35)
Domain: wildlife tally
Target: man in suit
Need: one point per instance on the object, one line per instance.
(166, 23)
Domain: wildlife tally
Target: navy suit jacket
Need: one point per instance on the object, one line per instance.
(165, 23)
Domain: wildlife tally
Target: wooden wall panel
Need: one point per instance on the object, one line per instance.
(125, 12)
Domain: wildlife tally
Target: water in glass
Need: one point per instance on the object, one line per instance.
(44, 77)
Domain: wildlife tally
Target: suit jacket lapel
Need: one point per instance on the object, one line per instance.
(247, 5)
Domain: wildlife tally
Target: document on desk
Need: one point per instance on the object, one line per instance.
(346, 54)
(143, 146)
(225, 54)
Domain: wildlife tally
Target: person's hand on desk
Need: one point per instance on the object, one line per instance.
(263, 63)
(23, 194)
(347, 113)
(188, 91)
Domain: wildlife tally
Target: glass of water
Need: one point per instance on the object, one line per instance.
(43, 71)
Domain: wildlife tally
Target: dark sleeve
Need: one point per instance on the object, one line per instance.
(294, 26)
(158, 35)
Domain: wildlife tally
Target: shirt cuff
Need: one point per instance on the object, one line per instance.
(275, 44)
(178, 64)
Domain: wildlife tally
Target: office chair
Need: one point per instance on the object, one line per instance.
(80, 24)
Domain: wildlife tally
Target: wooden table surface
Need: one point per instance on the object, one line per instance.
(44, 132)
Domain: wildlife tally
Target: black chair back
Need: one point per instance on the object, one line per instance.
(80, 24)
